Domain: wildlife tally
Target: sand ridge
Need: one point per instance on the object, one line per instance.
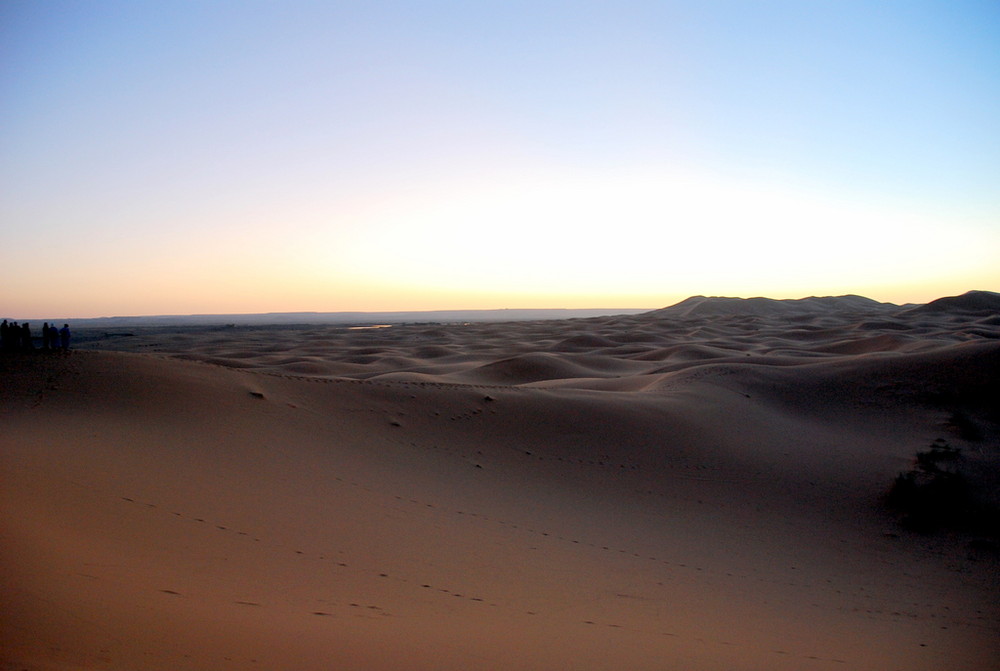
(643, 492)
(515, 353)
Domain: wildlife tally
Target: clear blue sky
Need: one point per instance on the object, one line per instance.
(182, 157)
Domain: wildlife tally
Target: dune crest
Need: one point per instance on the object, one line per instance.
(986, 303)
(698, 489)
(697, 330)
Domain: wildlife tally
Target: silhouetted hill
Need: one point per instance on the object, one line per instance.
(976, 302)
(704, 306)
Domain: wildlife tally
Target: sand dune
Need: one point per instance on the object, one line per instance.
(515, 353)
(696, 489)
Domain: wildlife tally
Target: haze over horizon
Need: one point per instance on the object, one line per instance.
(847, 302)
(251, 157)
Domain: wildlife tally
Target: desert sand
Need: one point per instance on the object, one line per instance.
(699, 487)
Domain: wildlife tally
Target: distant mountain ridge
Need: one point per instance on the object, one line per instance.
(701, 306)
(975, 302)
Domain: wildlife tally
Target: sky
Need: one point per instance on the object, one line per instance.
(244, 156)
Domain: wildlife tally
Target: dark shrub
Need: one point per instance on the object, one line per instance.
(936, 494)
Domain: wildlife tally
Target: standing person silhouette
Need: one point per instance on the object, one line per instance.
(64, 337)
(26, 343)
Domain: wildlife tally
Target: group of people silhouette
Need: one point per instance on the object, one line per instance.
(18, 338)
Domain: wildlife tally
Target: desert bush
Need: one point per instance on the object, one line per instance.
(936, 494)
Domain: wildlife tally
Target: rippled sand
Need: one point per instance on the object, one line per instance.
(697, 487)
